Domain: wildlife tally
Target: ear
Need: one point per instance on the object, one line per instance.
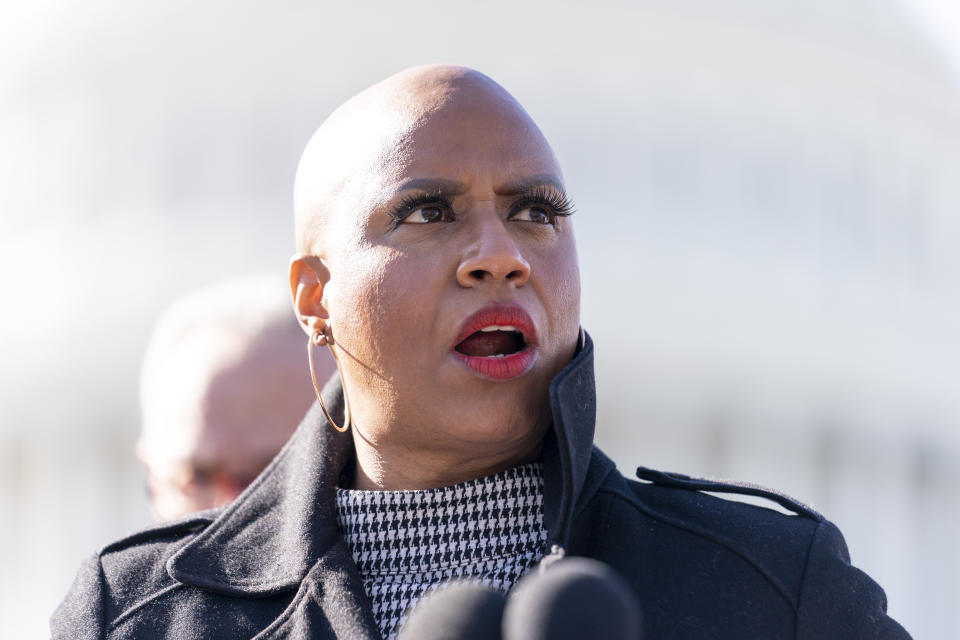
(308, 276)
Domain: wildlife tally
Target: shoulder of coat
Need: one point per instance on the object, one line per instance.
(682, 481)
(165, 531)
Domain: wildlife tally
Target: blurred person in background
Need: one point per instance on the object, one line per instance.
(436, 260)
(222, 388)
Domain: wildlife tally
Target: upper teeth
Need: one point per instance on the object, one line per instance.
(495, 327)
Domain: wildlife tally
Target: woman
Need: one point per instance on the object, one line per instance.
(437, 262)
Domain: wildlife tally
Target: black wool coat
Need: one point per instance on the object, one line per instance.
(273, 564)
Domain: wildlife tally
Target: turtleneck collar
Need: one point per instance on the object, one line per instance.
(435, 530)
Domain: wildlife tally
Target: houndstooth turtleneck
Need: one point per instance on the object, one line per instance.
(407, 542)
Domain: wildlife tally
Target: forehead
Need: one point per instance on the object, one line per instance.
(483, 149)
(482, 144)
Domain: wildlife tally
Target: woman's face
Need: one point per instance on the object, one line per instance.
(454, 290)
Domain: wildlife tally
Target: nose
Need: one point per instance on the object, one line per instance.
(493, 255)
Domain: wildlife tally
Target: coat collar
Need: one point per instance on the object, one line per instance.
(267, 540)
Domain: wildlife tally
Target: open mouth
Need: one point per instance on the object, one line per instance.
(493, 341)
(497, 342)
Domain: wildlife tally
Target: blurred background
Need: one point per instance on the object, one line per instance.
(768, 228)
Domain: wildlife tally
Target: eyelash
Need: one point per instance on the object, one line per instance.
(557, 203)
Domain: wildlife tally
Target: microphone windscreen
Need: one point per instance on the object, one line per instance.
(458, 611)
(573, 598)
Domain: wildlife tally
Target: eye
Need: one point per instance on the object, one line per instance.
(426, 214)
(537, 214)
(424, 208)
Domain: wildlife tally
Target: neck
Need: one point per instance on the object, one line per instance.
(386, 466)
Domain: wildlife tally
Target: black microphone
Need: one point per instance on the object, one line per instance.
(458, 611)
(573, 598)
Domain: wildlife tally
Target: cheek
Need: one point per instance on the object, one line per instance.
(569, 289)
(561, 277)
(383, 298)
(357, 310)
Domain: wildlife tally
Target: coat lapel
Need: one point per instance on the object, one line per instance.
(331, 603)
(568, 448)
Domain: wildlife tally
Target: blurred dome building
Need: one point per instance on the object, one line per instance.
(767, 202)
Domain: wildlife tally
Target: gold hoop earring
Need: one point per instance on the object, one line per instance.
(319, 338)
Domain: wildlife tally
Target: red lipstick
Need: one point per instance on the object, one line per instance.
(498, 342)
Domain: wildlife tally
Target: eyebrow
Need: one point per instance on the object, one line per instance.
(441, 185)
(525, 185)
(453, 187)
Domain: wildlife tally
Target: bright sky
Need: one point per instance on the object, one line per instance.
(941, 19)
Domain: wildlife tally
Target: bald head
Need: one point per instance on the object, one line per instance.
(224, 384)
(356, 155)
